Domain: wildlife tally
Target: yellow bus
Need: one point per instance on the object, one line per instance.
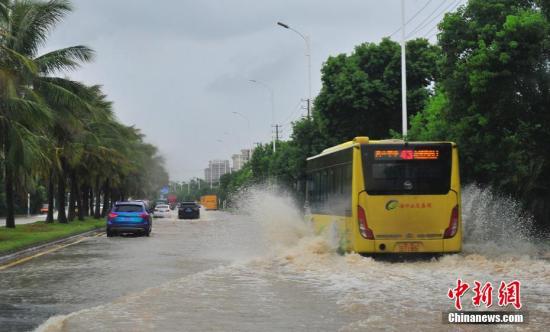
(387, 196)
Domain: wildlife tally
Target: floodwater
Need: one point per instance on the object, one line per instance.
(261, 269)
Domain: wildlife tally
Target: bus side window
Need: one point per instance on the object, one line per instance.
(341, 171)
(347, 194)
(326, 187)
(331, 185)
(310, 185)
(317, 190)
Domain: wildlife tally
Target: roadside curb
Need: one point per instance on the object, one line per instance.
(45, 246)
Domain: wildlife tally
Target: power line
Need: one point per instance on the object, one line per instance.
(427, 33)
(412, 18)
(294, 109)
(428, 18)
(433, 34)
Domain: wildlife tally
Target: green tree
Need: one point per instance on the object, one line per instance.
(58, 131)
(361, 92)
(24, 27)
(494, 96)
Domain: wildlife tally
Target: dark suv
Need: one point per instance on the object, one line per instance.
(189, 210)
(129, 217)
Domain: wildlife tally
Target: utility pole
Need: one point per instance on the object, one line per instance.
(277, 132)
(28, 205)
(403, 72)
(308, 108)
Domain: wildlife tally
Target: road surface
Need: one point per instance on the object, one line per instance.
(257, 271)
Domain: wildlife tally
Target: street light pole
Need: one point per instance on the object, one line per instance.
(307, 40)
(272, 109)
(403, 72)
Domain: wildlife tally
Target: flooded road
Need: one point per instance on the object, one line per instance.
(262, 270)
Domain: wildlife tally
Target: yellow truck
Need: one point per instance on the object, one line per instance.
(209, 202)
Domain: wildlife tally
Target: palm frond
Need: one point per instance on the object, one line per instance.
(33, 21)
(25, 147)
(4, 11)
(26, 110)
(18, 59)
(69, 58)
(58, 95)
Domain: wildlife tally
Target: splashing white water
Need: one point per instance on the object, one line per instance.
(497, 247)
(496, 224)
(275, 209)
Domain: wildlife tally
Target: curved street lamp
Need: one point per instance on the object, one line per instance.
(308, 55)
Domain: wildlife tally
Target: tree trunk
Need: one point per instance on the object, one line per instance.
(49, 217)
(8, 184)
(85, 201)
(115, 195)
(113, 198)
(106, 194)
(72, 197)
(92, 200)
(10, 204)
(97, 212)
(78, 199)
(61, 215)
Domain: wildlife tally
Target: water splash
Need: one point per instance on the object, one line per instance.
(497, 247)
(275, 210)
(496, 224)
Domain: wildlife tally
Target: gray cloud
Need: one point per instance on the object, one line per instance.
(178, 69)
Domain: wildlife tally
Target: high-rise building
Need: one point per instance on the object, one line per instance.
(215, 170)
(240, 159)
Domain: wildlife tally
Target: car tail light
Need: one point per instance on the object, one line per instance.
(144, 215)
(112, 215)
(364, 229)
(453, 224)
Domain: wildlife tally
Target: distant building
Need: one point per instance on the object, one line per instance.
(215, 170)
(239, 160)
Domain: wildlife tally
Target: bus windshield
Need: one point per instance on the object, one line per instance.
(396, 169)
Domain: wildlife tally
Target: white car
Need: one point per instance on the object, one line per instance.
(161, 211)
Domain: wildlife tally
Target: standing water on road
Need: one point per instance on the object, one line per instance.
(269, 272)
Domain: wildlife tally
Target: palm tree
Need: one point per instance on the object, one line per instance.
(27, 92)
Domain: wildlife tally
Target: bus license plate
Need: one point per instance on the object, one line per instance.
(408, 246)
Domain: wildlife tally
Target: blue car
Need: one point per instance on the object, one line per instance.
(129, 217)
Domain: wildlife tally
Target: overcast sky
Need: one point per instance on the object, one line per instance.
(178, 69)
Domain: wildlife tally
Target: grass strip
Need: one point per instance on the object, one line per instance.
(29, 235)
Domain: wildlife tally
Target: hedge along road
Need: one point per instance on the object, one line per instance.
(38, 233)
